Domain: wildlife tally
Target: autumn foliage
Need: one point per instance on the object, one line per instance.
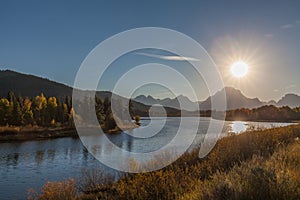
(262, 164)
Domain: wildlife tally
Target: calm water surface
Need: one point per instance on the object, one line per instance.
(31, 164)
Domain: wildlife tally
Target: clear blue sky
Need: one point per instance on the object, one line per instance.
(51, 38)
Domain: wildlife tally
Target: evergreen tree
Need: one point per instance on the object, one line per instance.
(65, 113)
(15, 116)
(106, 105)
(100, 110)
(4, 111)
(59, 111)
(68, 102)
(131, 111)
(110, 122)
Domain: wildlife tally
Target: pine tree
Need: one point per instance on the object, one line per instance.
(65, 113)
(106, 105)
(4, 111)
(100, 110)
(15, 116)
(131, 111)
(52, 109)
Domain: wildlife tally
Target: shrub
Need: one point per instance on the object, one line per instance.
(93, 181)
(137, 119)
(64, 190)
(260, 164)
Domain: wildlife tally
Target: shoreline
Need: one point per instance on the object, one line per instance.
(26, 133)
(16, 134)
(20, 134)
(267, 121)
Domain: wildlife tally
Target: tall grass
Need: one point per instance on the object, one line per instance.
(64, 190)
(276, 177)
(261, 164)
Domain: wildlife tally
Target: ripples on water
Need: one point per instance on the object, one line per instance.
(241, 126)
(30, 164)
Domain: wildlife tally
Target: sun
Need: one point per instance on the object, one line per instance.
(239, 69)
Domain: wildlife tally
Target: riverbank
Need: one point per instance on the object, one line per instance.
(17, 133)
(14, 133)
(261, 164)
(26, 133)
(233, 119)
(249, 119)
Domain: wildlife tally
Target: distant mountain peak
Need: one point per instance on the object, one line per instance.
(143, 96)
(272, 102)
(30, 85)
(186, 103)
(232, 90)
(234, 98)
(291, 100)
(290, 95)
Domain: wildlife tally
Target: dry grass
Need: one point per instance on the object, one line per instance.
(64, 190)
(254, 165)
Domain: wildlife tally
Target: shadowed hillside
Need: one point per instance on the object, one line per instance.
(30, 86)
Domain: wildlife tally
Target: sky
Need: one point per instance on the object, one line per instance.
(52, 38)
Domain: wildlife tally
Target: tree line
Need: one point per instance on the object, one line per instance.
(41, 111)
(268, 113)
(52, 111)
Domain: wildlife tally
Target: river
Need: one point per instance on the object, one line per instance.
(31, 164)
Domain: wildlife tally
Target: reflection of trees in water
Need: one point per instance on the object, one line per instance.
(12, 159)
(15, 159)
(39, 157)
(99, 145)
(74, 152)
(129, 144)
(85, 154)
(51, 154)
(125, 142)
(66, 153)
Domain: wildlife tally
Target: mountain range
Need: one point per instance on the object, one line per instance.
(30, 85)
(235, 100)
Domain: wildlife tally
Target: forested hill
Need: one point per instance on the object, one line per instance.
(29, 85)
(25, 85)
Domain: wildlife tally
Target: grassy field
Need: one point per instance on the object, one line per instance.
(262, 164)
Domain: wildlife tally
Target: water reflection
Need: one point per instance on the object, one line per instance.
(11, 159)
(39, 157)
(30, 164)
(51, 154)
(238, 126)
(85, 154)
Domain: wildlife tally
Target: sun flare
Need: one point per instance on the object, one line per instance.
(239, 69)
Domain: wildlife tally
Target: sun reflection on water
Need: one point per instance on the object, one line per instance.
(238, 126)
